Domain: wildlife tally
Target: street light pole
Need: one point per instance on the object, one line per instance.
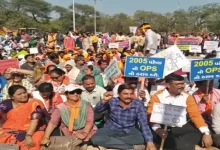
(95, 17)
(74, 18)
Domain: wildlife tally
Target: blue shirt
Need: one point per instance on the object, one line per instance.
(125, 119)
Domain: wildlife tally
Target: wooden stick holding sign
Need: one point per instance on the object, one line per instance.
(163, 140)
(207, 87)
(142, 83)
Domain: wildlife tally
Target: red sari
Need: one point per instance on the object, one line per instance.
(19, 118)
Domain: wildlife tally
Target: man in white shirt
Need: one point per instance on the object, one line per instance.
(151, 40)
(91, 92)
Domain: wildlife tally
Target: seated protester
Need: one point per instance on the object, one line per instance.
(121, 63)
(17, 79)
(143, 95)
(91, 93)
(58, 80)
(193, 131)
(103, 64)
(30, 63)
(23, 117)
(206, 102)
(46, 75)
(69, 69)
(47, 96)
(76, 116)
(119, 131)
(94, 71)
(216, 125)
(54, 58)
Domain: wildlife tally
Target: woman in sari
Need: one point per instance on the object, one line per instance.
(17, 79)
(46, 94)
(76, 116)
(58, 80)
(23, 117)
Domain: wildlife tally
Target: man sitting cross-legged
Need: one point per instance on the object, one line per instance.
(119, 131)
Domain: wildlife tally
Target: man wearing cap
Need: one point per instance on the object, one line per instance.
(151, 39)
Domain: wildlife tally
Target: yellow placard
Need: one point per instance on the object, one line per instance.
(183, 47)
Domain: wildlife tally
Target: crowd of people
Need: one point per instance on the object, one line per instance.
(63, 91)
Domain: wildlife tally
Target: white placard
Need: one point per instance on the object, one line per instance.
(34, 51)
(133, 29)
(112, 70)
(188, 66)
(210, 46)
(195, 49)
(174, 59)
(113, 45)
(168, 115)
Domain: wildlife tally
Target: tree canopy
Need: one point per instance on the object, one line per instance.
(39, 13)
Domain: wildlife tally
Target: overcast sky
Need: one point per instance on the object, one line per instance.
(130, 6)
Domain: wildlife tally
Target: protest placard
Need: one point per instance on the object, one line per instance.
(183, 47)
(210, 46)
(207, 69)
(183, 41)
(187, 67)
(133, 29)
(170, 115)
(146, 67)
(124, 44)
(195, 49)
(175, 59)
(112, 70)
(113, 45)
(10, 63)
(34, 51)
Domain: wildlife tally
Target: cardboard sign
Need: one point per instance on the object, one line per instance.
(112, 70)
(133, 29)
(146, 67)
(210, 46)
(168, 115)
(175, 59)
(10, 63)
(187, 67)
(195, 49)
(34, 50)
(207, 69)
(113, 45)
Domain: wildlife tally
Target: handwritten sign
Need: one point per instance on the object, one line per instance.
(210, 46)
(207, 69)
(187, 67)
(113, 45)
(34, 51)
(10, 63)
(168, 115)
(175, 59)
(147, 67)
(112, 70)
(195, 49)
